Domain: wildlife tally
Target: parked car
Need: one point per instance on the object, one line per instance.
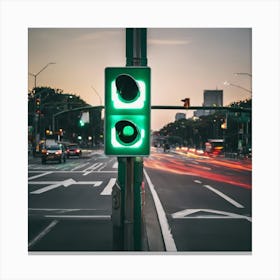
(73, 150)
(54, 152)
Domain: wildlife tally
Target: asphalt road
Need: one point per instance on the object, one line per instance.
(203, 204)
(69, 204)
(207, 201)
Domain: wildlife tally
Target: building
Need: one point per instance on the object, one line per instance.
(180, 116)
(212, 98)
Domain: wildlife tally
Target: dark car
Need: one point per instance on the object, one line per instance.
(55, 152)
(73, 150)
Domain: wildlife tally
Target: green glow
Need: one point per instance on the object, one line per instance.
(116, 144)
(128, 130)
(122, 140)
(118, 103)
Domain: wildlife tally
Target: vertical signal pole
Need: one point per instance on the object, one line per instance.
(136, 49)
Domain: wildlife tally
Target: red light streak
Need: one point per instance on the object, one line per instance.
(168, 163)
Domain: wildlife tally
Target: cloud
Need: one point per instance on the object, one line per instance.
(162, 42)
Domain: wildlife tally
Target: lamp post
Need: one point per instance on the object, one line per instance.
(226, 83)
(37, 116)
(240, 145)
(100, 100)
(247, 74)
(35, 75)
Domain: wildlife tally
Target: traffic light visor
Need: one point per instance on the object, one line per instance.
(127, 88)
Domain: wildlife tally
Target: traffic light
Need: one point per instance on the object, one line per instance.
(186, 102)
(127, 111)
(38, 106)
(81, 123)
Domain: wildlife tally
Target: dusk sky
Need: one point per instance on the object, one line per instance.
(184, 62)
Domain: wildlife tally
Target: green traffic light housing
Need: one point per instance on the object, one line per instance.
(127, 111)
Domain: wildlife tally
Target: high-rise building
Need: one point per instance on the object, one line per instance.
(212, 98)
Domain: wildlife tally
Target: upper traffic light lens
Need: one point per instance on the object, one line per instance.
(127, 132)
(127, 87)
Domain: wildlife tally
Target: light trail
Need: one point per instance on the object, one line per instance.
(176, 166)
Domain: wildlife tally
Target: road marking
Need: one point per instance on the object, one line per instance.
(197, 181)
(62, 209)
(230, 200)
(39, 175)
(65, 183)
(108, 189)
(165, 228)
(92, 168)
(80, 217)
(42, 233)
(80, 166)
(186, 214)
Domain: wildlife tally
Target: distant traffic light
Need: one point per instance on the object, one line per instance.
(81, 123)
(127, 111)
(186, 102)
(37, 106)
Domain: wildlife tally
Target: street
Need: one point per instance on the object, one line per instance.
(203, 204)
(207, 201)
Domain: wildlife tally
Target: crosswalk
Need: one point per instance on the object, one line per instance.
(85, 167)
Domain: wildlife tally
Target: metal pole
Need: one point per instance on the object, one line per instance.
(136, 49)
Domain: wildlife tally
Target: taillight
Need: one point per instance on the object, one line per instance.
(77, 150)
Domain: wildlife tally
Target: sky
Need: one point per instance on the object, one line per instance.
(184, 62)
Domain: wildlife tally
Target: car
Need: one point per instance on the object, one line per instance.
(73, 150)
(54, 152)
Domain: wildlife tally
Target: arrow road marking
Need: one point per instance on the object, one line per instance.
(65, 183)
(186, 214)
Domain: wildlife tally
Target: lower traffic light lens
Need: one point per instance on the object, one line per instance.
(127, 132)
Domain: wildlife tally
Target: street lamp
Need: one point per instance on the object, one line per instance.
(226, 83)
(248, 74)
(35, 75)
(97, 95)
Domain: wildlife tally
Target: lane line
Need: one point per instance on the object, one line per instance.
(108, 189)
(42, 233)
(40, 175)
(197, 181)
(63, 209)
(224, 196)
(79, 166)
(80, 217)
(165, 228)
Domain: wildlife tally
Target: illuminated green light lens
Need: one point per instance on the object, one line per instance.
(128, 130)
